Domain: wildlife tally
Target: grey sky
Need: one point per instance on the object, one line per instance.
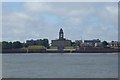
(79, 20)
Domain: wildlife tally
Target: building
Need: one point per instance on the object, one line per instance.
(92, 43)
(31, 42)
(114, 44)
(61, 42)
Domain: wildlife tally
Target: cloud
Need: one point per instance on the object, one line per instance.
(37, 7)
(78, 20)
(61, 8)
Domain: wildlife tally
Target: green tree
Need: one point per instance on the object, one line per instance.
(39, 42)
(17, 44)
(45, 43)
(0, 47)
(10, 45)
(73, 44)
(25, 45)
(104, 44)
(6, 45)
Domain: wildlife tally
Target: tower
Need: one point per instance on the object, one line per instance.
(61, 34)
(61, 43)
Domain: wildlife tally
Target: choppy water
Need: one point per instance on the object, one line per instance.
(52, 65)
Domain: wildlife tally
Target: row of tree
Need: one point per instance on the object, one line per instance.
(42, 42)
(11, 45)
(18, 44)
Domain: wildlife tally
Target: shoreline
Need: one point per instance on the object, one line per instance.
(81, 50)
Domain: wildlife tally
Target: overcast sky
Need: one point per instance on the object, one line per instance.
(79, 20)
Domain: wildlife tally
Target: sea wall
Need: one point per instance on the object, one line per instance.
(23, 51)
(97, 50)
(80, 50)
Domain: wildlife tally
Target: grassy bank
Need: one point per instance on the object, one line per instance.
(34, 47)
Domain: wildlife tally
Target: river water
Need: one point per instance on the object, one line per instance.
(60, 65)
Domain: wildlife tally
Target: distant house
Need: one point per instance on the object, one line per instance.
(61, 42)
(114, 44)
(78, 43)
(31, 42)
(92, 43)
(34, 42)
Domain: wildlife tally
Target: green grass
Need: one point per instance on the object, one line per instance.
(53, 47)
(35, 47)
(69, 47)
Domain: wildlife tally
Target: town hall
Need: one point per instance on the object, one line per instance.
(61, 42)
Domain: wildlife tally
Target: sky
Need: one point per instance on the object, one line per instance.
(80, 20)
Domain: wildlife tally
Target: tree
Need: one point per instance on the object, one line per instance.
(10, 45)
(17, 45)
(0, 45)
(6, 45)
(25, 45)
(104, 44)
(73, 44)
(45, 43)
(39, 42)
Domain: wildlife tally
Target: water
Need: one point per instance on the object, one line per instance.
(53, 65)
